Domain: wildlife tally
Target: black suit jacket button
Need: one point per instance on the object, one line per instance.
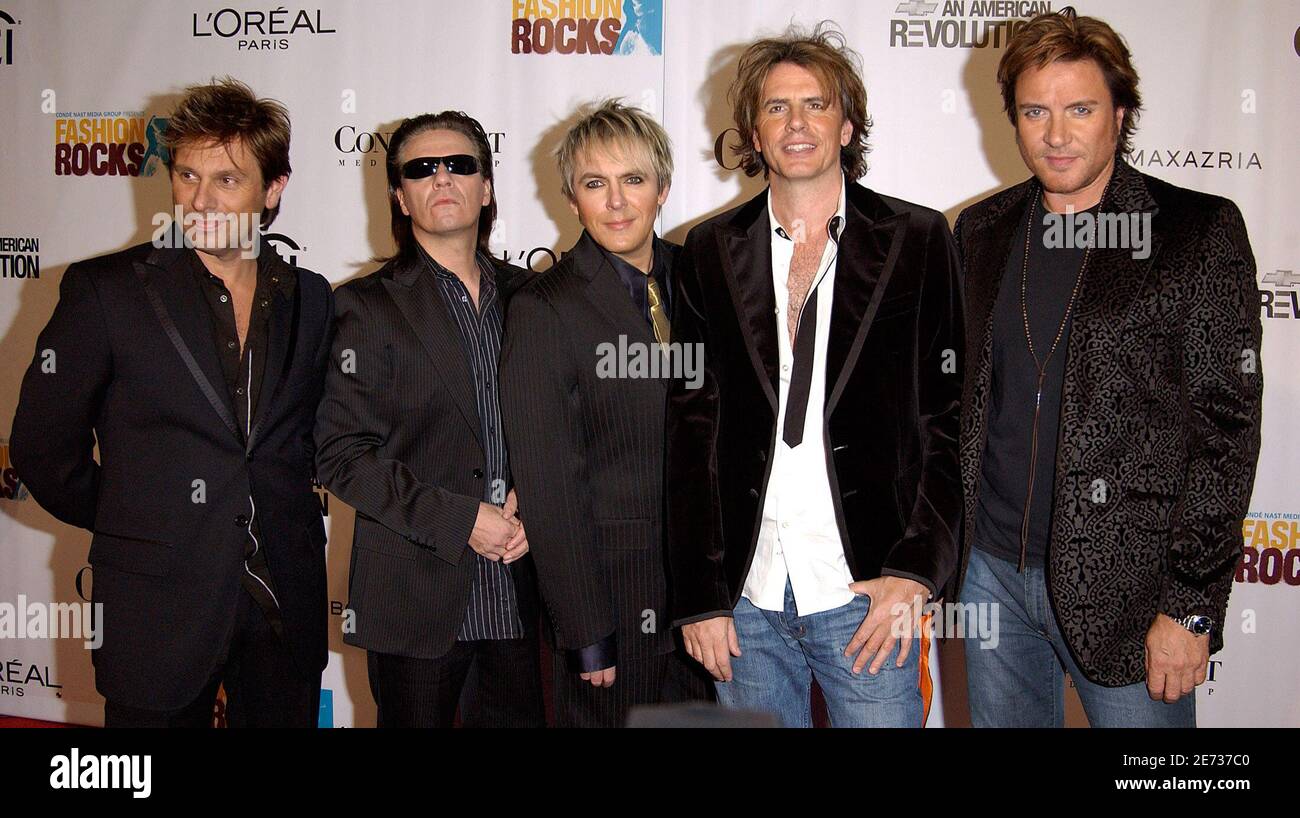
(753, 493)
(478, 474)
(241, 521)
(762, 456)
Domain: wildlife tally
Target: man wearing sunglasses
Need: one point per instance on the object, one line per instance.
(409, 433)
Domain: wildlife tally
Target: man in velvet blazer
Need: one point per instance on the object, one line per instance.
(798, 500)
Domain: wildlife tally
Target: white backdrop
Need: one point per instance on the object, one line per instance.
(1218, 80)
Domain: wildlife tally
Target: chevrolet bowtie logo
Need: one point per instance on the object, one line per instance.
(1281, 278)
(916, 8)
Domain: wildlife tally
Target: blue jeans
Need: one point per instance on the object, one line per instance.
(1021, 683)
(781, 653)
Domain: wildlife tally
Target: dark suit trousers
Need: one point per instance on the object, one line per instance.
(264, 688)
(667, 678)
(424, 692)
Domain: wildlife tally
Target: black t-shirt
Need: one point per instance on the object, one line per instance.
(1004, 477)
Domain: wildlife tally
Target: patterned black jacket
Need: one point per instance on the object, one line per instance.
(1160, 416)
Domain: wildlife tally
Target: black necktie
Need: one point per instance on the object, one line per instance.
(805, 345)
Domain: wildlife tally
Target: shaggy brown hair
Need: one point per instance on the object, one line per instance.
(227, 110)
(1065, 36)
(837, 67)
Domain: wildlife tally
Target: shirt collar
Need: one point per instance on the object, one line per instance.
(779, 232)
(277, 277)
(485, 267)
(625, 268)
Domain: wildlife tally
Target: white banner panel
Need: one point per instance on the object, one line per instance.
(84, 83)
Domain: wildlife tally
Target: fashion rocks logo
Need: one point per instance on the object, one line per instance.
(108, 143)
(586, 27)
(1270, 551)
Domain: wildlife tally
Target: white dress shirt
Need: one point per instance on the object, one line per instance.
(799, 538)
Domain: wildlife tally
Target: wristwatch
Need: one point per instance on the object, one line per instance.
(1197, 624)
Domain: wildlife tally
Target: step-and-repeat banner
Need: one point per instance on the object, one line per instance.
(86, 87)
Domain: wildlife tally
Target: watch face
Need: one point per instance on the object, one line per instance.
(1201, 625)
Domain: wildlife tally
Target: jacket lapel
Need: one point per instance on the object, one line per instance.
(282, 337)
(173, 292)
(745, 247)
(413, 289)
(606, 292)
(1114, 278)
(984, 261)
(985, 257)
(868, 251)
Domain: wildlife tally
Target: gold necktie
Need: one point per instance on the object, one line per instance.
(658, 316)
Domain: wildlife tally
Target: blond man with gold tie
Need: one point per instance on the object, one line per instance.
(586, 437)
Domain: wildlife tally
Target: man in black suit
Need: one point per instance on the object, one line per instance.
(1110, 425)
(585, 424)
(815, 490)
(409, 434)
(196, 363)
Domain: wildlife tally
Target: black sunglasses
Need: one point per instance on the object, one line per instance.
(461, 164)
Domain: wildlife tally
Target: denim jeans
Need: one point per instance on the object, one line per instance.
(781, 653)
(1021, 683)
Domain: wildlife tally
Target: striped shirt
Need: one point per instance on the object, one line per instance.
(493, 610)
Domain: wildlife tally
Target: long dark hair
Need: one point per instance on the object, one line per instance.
(461, 123)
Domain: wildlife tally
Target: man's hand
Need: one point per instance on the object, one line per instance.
(493, 532)
(518, 545)
(893, 616)
(712, 643)
(1176, 659)
(599, 678)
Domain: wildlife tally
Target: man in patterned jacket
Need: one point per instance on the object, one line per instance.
(1111, 404)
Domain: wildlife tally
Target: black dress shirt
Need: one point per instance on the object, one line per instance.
(243, 369)
(493, 610)
(636, 281)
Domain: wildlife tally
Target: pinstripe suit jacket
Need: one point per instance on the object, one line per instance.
(587, 456)
(398, 439)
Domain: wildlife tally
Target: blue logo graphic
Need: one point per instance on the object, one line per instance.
(326, 717)
(643, 28)
(154, 151)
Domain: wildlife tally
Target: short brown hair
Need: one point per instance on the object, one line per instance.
(1065, 36)
(837, 67)
(613, 123)
(225, 110)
